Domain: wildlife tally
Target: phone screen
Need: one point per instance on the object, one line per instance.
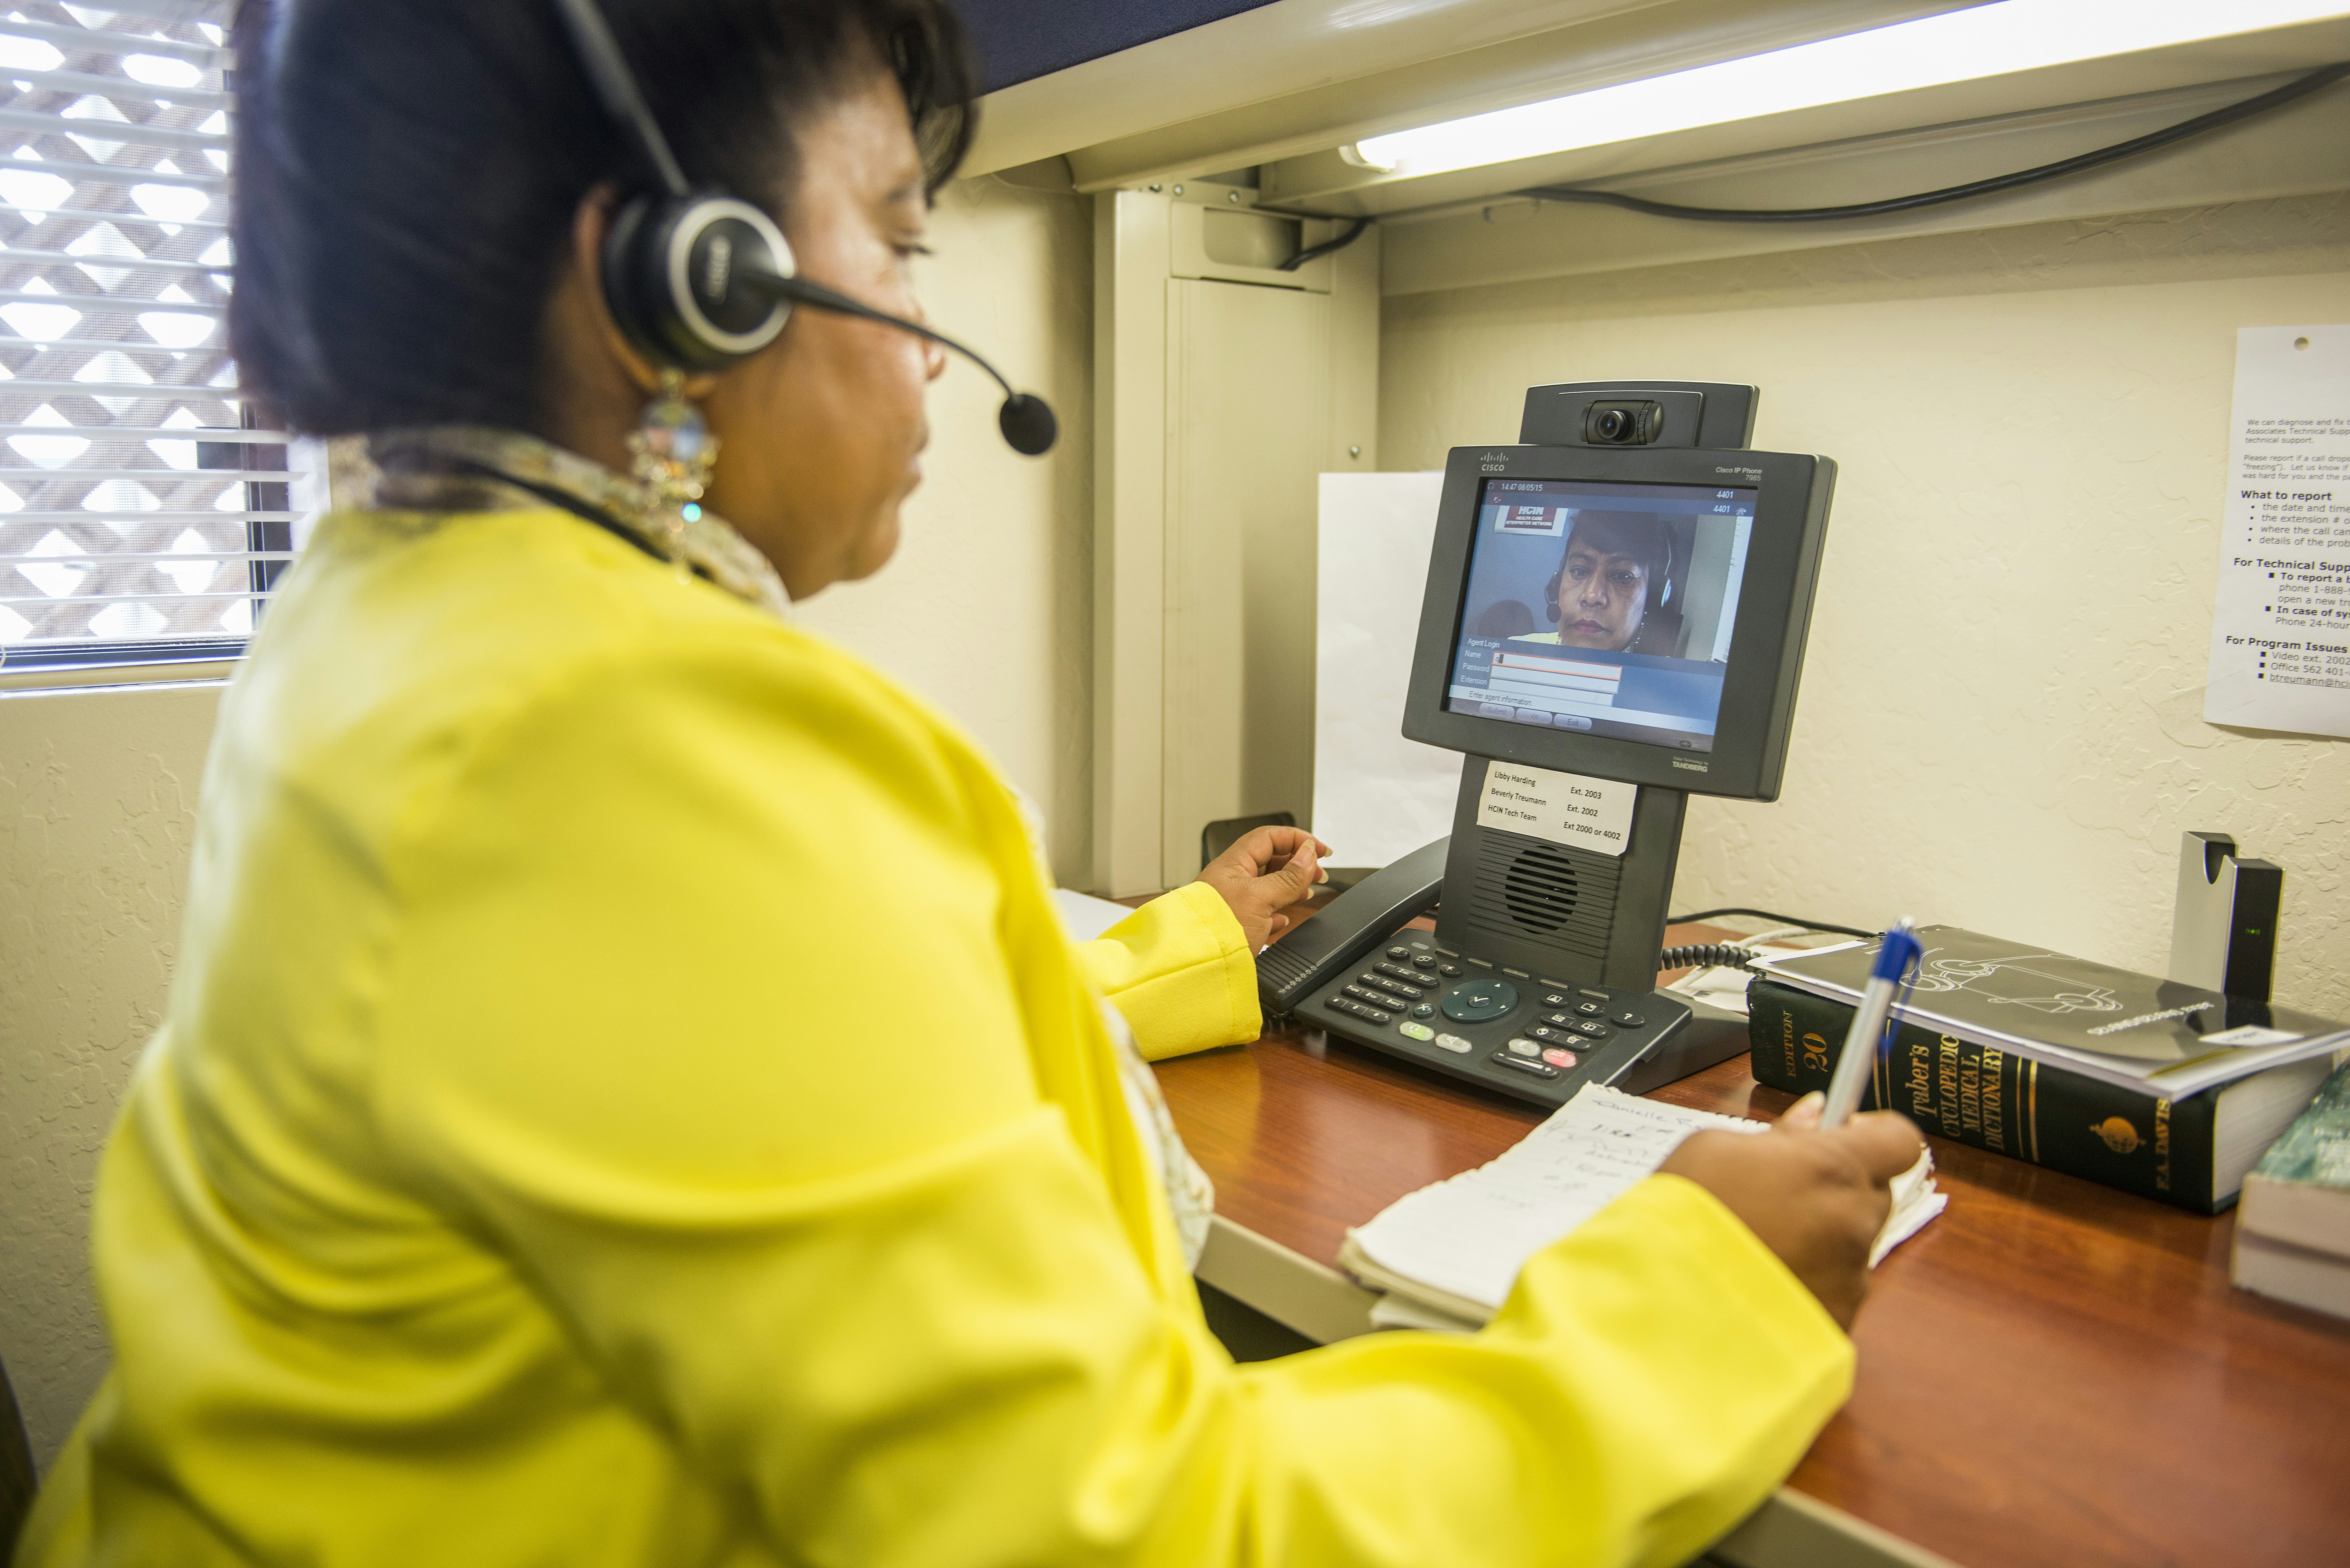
(1605, 606)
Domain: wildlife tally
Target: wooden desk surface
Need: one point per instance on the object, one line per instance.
(2052, 1372)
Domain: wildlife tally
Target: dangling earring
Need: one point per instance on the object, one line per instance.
(674, 452)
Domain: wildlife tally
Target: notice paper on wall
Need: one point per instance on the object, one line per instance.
(2281, 618)
(1377, 796)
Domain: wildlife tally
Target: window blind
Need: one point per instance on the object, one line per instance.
(143, 516)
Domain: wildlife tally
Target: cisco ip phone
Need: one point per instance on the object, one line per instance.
(1615, 619)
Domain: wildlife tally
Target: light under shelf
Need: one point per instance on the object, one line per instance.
(1997, 39)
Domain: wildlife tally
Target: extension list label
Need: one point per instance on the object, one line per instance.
(1566, 809)
(2281, 617)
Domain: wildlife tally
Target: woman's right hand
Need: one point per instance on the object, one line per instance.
(1816, 1199)
(1264, 876)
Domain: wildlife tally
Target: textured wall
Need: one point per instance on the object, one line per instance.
(2000, 722)
(988, 608)
(98, 795)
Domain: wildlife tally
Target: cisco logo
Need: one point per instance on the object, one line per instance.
(1693, 767)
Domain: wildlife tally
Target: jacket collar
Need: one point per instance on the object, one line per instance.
(477, 468)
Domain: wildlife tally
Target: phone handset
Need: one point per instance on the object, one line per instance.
(1357, 920)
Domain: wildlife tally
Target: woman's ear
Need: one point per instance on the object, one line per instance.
(589, 224)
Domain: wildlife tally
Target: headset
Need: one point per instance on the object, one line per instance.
(1661, 581)
(700, 280)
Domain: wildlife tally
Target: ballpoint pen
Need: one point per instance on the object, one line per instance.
(1898, 951)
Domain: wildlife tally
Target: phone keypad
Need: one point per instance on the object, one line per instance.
(1529, 1036)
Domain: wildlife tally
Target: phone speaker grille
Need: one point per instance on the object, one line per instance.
(1528, 889)
(1539, 886)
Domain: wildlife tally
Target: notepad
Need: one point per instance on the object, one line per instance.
(1455, 1248)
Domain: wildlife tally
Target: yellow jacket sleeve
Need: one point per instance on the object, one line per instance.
(773, 1161)
(1179, 971)
(642, 1111)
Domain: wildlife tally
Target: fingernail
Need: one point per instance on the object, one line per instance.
(1808, 1108)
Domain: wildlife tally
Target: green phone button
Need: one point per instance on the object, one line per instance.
(1475, 1001)
(1418, 1030)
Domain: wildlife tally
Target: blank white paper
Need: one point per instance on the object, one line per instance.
(1377, 796)
(1084, 917)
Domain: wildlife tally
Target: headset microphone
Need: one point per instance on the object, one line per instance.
(699, 280)
(1025, 419)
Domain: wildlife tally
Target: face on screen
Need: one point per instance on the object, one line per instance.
(1602, 584)
(1605, 608)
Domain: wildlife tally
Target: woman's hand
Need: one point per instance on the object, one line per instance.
(1817, 1198)
(1270, 869)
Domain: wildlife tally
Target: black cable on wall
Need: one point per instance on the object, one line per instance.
(1315, 252)
(2227, 115)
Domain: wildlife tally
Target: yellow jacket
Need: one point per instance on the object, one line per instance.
(625, 1100)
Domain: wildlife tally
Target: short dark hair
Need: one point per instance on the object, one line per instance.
(1642, 532)
(407, 170)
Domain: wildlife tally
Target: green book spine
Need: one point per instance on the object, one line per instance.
(1996, 1100)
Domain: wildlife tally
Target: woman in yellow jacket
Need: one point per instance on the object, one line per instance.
(624, 1098)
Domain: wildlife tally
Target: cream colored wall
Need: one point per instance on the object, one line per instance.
(98, 795)
(985, 611)
(2001, 719)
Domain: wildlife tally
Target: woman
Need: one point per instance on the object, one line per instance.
(624, 1098)
(1616, 566)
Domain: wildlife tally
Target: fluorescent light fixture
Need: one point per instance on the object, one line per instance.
(1991, 40)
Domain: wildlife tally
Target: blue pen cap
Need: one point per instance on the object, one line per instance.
(1897, 952)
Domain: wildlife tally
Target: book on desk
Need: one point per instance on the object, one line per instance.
(2166, 1090)
(2292, 1237)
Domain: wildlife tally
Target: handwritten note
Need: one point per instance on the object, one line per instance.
(1468, 1237)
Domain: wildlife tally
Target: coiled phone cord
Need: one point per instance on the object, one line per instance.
(1703, 955)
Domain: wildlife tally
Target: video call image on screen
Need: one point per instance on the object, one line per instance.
(1603, 607)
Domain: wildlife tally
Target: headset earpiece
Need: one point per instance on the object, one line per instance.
(672, 271)
(697, 281)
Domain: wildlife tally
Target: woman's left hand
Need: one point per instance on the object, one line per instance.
(1263, 875)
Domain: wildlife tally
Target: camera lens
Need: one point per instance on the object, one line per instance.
(1626, 423)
